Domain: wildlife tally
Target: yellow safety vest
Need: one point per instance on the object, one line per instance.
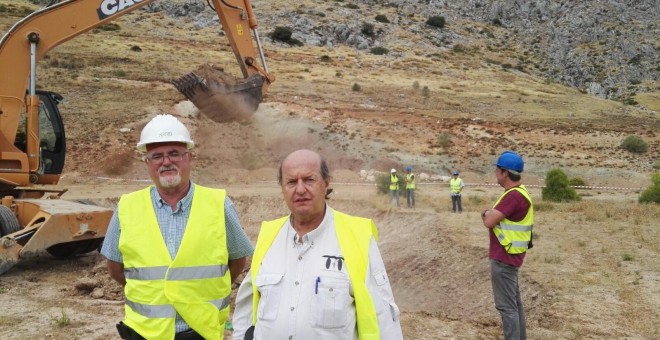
(196, 284)
(410, 178)
(455, 185)
(515, 236)
(394, 182)
(354, 235)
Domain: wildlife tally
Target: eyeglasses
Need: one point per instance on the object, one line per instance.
(159, 158)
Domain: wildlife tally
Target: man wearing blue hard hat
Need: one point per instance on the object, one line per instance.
(456, 186)
(510, 223)
(410, 187)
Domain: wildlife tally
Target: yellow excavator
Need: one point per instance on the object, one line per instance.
(34, 219)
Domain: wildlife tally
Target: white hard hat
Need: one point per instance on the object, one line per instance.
(393, 170)
(164, 128)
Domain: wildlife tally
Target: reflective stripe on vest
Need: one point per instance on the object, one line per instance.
(157, 286)
(455, 185)
(410, 179)
(394, 182)
(354, 235)
(515, 236)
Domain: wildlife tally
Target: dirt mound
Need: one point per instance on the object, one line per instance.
(97, 284)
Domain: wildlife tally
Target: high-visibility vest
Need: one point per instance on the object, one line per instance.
(354, 235)
(515, 236)
(410, 184)
(455, 185)
(196, 284)
(394, 182)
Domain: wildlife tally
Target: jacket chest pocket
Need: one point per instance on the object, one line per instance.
(331, 303)
(270, 289)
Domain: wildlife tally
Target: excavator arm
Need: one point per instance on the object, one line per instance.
(26, 43)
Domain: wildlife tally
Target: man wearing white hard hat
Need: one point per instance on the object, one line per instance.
(175, 246)
(394, 186)
(456, 187)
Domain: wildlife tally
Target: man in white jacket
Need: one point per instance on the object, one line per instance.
(316, 273)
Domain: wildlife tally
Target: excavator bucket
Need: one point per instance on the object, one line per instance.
(220, 96)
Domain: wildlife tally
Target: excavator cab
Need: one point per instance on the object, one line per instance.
(52, 141)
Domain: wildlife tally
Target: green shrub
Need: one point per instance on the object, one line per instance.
(110, 27)
(368, 29)
(62, 320)
(356, 87)
(281, 33)
(415, 85)
(284, 34)
(634, 144)
(444, 138)
(326, 58)
(630, 101)
(556, 188)
(379, 50)
(382, 18)
(652, 193)
(436, 21)
(577, 182)
(458, 48)
(425, 91)
(383, 183)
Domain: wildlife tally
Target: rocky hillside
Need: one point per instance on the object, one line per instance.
(606, 48)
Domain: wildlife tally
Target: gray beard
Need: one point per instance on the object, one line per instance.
(170, 181)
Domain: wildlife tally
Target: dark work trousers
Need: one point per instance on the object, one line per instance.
(410, 197)
(456, 205)
(128, 333)
(394, 195)
(508, 302)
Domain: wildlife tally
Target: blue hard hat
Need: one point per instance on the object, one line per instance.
(455, 172)
(511, 161)
(409, 168)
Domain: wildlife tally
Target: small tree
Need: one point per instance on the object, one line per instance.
(635, 144)
(415, 85)
(356, 87)
(557, 189)
(652, 193)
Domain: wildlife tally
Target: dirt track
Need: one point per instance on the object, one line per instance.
(436, 260)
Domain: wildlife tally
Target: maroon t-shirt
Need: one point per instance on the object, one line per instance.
(514, 206)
